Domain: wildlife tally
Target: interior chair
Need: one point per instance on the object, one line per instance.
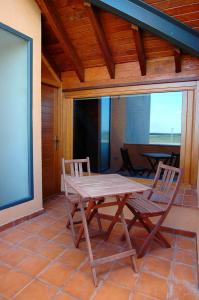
(127, 164)
(76, 167)
(164, 190)
(174, 160)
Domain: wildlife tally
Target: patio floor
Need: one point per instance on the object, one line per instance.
(38, 261)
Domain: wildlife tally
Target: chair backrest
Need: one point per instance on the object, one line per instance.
(125, 157)
(166, 184)
(76, 169)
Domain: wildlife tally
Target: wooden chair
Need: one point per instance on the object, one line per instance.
(76, 166)
(174, 160)
(143, 207)
(127, 164)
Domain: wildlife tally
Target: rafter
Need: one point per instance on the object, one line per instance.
(178, 60)
(151, 19)
(50, 66)
(139, 48)
(62, 36)
(101, 38)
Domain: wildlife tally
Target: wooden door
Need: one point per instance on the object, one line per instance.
(50, 143)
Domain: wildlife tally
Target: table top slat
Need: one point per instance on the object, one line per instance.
(104, 185)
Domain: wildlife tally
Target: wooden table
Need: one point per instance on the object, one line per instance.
(154, 159)
(94, 187)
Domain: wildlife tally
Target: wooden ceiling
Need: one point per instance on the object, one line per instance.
(76, 36)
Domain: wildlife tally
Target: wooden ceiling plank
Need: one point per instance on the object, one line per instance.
(139, 48)
(62, 37)
(101, 38)
(178, 60)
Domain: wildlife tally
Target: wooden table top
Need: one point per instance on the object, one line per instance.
(96, 186)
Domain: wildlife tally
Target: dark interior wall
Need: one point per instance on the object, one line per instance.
(86, 128)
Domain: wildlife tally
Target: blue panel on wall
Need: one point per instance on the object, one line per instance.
(16, 166)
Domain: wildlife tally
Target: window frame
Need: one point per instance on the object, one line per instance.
(29, 41)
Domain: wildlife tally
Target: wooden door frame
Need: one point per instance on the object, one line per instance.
(190, 119)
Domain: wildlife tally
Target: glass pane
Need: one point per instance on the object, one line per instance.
(105, 133)
(165, 118)
(153, 118)
(15, 128)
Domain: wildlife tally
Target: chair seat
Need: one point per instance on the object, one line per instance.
(144, 205)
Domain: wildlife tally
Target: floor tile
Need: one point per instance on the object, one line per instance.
(80, 285)
(110, 291)
(33, 264)
(34, 243)
(32, 227)
(64, 238)
(186, 243)
(4, 270)
(13, 282)
(44, 219)
(4, 246)
(73, 257)
(140, 296)
(184, 273)
(15, 235)
(36, 291)
(14, 256)
(62, 296)
(166, 253)
(57, 274)
(185, 257)
(52, 250)
(153, 286)
(182, 292)
(123, 276)
(157, 265)
(49, 233)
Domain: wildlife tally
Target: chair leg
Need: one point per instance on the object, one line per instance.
(159, 235)
(72, 214)
(91, 204)
(85, 228)
(71, 221)
(99, 222)
(132, 222)
(150, 237)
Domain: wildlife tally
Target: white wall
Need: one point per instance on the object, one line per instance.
(24, 16)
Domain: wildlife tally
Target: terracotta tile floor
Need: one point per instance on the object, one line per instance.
(39, 262)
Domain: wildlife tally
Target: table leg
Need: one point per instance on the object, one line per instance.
(126, 232)
(152, 166)
(84, 221)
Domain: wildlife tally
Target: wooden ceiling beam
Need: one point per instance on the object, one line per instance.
(50, 66)
(157, 22)
(178, 60)
(62, 36)
(139, 48)
(101, 38)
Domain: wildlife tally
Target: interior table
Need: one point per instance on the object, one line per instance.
(93, 187)
(154, 159)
